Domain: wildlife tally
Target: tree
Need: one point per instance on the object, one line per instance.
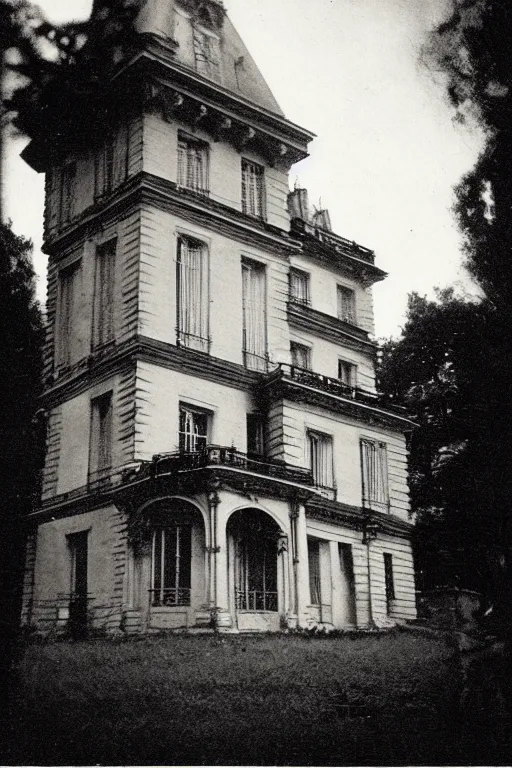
(20, 436)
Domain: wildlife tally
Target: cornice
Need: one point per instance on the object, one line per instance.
(328, 327)
(356, 517)
(279, 387)
(145, 349)
(145, 188)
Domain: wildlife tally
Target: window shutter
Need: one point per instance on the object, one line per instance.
(254, 315)
(192, 290)
(374, 471)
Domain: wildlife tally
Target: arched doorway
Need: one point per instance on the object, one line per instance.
(168, 539)
(256, 581)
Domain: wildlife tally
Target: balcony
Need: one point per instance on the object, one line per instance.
(300, 384)
(229, 458)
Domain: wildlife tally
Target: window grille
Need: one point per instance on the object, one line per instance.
(207, 55)
(314, 572)
(192, 294)
(67, 186)
(375, 478)
(389, 580)
(193, 431)
(321, 459)
(254, 323)
(301, 355)
(193, 164)
(256, 571)
(299, 287)
(100, 456)
(252, 189)
(346, 304)
(347, 373)
(69, 306)
(104, 293)
(171, 566)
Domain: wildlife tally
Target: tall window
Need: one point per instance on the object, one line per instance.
(255, 435)
(192, 164)
(299, 287)
(104, 293)
(321, 459)
(207, 54)
(100, 456)
(193, 432)
(346, 304)
(252, 189)
(70, 280)
(389, 580)
(314, 571)
(67, 185)
(301, 355)
(254, 323)
(192, 294)
(347, 373)
(104, 167)
(375, 475)
(171, 566)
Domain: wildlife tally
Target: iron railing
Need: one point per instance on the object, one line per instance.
(333, 386)
(169, 597)
(255, 600)
(222, 456)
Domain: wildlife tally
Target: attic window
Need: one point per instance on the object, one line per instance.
(207, 54)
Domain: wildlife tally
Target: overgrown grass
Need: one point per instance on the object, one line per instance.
(268, 700)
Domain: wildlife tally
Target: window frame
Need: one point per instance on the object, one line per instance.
(101, 436)
(66, 320)
(304, 301)
(378, 504)
(157, 597)
(212, 58)
(252, 358)
(352, 368)
(204, 148)
(103, 328)
(300, 347)
(258, 428)
(66, 192)
(257, 210)
(328, 470)
(184, 436)
(315, 578)
(389, 580)
(197, 316)
(351, 316)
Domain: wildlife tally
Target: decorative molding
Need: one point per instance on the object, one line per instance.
(356, 517)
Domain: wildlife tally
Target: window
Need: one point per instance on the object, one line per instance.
(301, 355)
(314, 571)
(104, 167)
(252, 189)
(207, 54)
(104, 293)
(100, 456)
(255, 539)
(171, 566)
(299, 287)
(347, 373)
(346, 304)
(388, 575)
(347, 573)
(192, 164)
(193, 431)
(192, 299)
(255, 434)
(67, 185)
(68, 314)
(321, 460)
(78, 549)
(375, 478)
(254, 330)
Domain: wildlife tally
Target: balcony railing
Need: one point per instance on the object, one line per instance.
(221, 456)
(255, 600)
(333, 386)
(170, 597)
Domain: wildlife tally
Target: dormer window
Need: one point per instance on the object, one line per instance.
(192, 164)
(207, 54)
(346, 304)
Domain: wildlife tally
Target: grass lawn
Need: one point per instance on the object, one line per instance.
(269, 700)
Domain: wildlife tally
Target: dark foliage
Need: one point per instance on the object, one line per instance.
(21, 432)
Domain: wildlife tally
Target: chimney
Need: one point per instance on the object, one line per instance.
(322, 220)
(298, 205)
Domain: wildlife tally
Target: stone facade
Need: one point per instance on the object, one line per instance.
(217, 453)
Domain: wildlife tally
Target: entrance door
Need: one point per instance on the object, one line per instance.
(78, 543)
